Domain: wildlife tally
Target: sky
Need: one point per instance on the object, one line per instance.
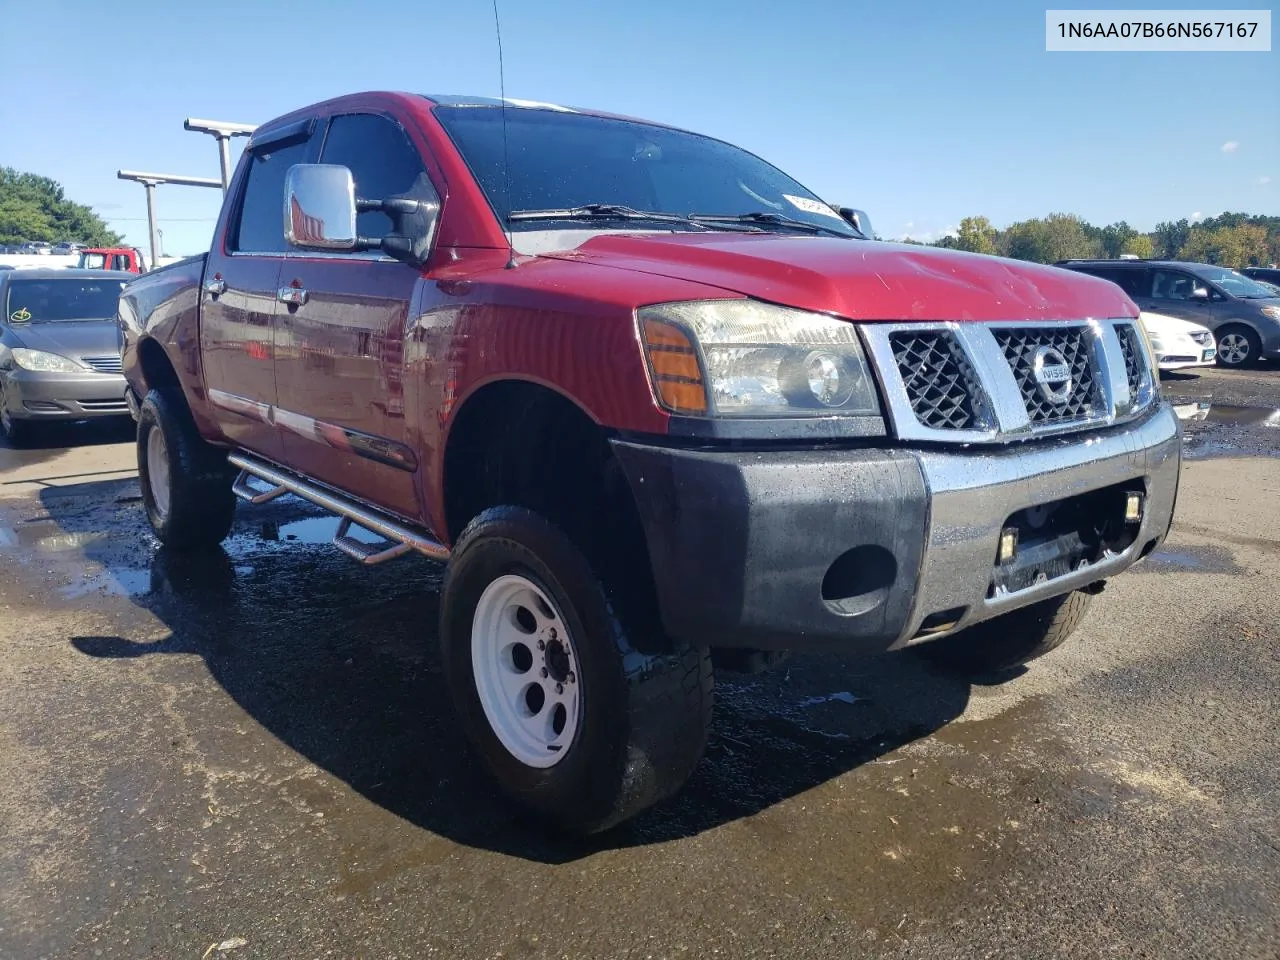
(918, 113)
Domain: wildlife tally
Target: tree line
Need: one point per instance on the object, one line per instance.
(34, 208)
(1230, 240)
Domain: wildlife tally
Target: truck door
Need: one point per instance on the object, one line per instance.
(239, 297)
(340, 345)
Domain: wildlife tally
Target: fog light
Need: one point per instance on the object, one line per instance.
(1008, 544)
(1133, 508)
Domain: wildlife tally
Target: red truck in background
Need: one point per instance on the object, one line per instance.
(128, 259)
(658, 405)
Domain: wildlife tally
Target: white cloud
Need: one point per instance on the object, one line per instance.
(1264, 180)
(1231, 146)
(1197, 216)
(910, 224)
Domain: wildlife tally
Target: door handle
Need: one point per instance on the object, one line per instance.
(215, 287)
(294, 296)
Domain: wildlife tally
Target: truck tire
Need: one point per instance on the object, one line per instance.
(1005, 642)
(1238, 346)
(575, 724)
(186, 482)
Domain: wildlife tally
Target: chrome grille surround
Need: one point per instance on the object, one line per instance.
(1002, 412)
(104, 364)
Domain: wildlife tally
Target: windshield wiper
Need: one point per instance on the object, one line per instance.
(612, 211)
(770, 219)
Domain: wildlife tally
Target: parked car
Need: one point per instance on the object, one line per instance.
(38, 247)
(1178, 344)
(1269, 275)
(655, 402)
(1243, 315)
(59, 351)
(67, 248)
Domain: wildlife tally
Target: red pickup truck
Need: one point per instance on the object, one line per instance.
(657, 404)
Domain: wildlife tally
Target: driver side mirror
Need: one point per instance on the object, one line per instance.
(321, 211)
(320, 207)
(1200, 293)
(858, 219)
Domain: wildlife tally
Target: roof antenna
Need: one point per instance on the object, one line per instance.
(506, 156)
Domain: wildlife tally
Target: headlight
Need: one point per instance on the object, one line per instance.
(743, 358)
(1272, 312)
(42, 362)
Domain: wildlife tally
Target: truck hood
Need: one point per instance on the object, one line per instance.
(70, 338)
(861, 279)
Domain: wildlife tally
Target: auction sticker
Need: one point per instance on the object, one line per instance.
(811, 206)
(21, 315)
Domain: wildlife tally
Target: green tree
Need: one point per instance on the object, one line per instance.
(976, 235)
(1170, 236)
(1241, 245)
(1114, 238)
(1139, 245)
(1059, 236)
(33, 207)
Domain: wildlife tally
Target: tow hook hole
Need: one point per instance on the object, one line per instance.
(859, 580)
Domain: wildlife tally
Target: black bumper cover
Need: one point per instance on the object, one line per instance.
(740, 543)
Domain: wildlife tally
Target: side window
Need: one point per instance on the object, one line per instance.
(261, 227)
(382, 161)
(1134, 282)
(1171, 285)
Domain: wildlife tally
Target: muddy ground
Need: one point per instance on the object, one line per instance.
(256, 753)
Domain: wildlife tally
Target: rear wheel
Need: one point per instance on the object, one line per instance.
(575, 724)
(1238, 346)
(186, 482)
(1009, 641)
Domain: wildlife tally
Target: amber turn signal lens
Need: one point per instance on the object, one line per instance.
(673, 364)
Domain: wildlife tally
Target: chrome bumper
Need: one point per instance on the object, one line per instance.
(972, 493)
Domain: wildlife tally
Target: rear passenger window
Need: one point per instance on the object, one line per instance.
(261, 228)
(382, 161)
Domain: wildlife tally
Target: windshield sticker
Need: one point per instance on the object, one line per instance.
(21, 315)
(812, 206)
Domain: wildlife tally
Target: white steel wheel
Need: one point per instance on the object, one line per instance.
(1234, 348)
(526, 671)
(158, 470)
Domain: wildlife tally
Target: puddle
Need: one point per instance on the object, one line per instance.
(119, 583)
(1191, 560)
(1241, 416)
(844, 696)
(47, 536)
(317, 530)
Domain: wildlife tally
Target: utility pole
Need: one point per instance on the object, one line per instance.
(153, 180)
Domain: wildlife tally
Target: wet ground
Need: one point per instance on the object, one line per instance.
(252, 756)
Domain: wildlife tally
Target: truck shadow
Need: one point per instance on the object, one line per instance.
(339, 663)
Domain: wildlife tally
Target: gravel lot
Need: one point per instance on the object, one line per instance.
(258, 748)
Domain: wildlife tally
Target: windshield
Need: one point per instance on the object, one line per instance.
(1236, 284)
(561, 160)
(42, 301)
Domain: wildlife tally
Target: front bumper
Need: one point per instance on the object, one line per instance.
(64, 396)
(861, 551)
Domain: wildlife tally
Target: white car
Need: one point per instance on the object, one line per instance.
(1179, 344)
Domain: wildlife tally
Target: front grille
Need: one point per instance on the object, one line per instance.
(939, 382)
(1081, 400)
(104, 364)
(1131, 347)
(104, 406)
